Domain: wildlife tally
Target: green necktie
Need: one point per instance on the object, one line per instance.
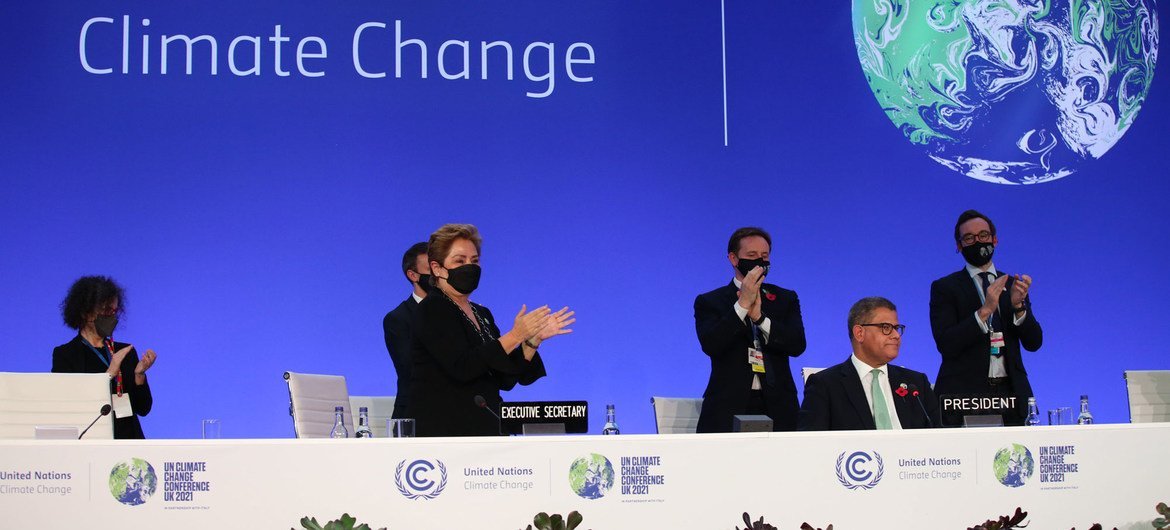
(881, 414)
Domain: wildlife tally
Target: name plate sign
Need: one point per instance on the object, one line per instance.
(954, 407)
(573, 414)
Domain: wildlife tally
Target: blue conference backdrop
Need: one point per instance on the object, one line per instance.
(252, 173)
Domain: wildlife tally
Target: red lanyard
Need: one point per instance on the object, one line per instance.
(118, 373)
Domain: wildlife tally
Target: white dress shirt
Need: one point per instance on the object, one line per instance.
(996, 368)
(765, 327)
(864, 371)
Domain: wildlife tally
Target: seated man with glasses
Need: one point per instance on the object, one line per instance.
(980, 318)
(865, 391)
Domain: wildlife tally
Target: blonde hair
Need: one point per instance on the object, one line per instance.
(439, 245)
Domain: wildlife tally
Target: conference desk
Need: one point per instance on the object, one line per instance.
(1065, 477)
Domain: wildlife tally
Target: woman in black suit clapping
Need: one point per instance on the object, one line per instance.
(458, 350)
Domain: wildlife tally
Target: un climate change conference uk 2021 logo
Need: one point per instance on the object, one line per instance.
(860, 469)
(133, 482)
(1013, 465)
(1009, 91)
(591, 477)
(417, 479)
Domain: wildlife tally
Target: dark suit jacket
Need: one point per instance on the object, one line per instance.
(725, 339)
(396, 329)
(451, 365)
(75, 357)
(835, 401)
(965, 348)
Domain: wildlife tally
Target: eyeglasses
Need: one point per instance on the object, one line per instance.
(982, 237)
(887, 327)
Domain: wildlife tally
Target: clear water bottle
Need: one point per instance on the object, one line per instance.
(1033, 413)
(611, 426)
(1084, 418)
(363, 428)
(339, 430)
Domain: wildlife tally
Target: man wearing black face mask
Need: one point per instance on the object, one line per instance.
(980, 318)
(749, 329)
(396, 325)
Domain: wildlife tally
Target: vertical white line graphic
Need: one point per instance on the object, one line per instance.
(723, 43)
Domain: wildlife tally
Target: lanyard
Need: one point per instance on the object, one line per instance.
(109, 343)
(482, 330)
(97, 352)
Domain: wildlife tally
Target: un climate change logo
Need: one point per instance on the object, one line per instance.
(1013, 465)
(591, 477)
(415, 480)
(1009, 91)
(860, 470)
(133, 482)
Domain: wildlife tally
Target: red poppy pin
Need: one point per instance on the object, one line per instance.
(771, 297)
(902, 391)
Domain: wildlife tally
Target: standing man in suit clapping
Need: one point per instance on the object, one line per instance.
(980, 318)
(749, 329)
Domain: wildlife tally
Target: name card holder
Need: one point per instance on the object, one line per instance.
(544, 417)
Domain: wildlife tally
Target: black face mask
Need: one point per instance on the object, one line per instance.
(424, 281)
(978, 254)
(464, 278)
(746, 265)
(104, 325)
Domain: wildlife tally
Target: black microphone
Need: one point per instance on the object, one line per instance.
(483, 404)
(105, 412)
(918, 397)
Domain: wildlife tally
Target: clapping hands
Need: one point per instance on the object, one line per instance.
(1020, 289)
(749, 293)
(540, 324)
(557, 324)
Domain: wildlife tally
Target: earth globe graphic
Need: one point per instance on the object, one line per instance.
(1009, 91)
(1013, 465)
(133, 482)
(591, 477)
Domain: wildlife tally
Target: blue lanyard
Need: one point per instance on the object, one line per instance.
(96, 352)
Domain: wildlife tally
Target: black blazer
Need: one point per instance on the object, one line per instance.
(450, 365)
(965, 348)
(725, 339)
(396, 330)
(75, 357)
(835, 401)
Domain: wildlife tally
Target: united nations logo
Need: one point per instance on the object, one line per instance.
(1013, 465)
(415, 480)
(1016, 92)
(860, 470)
(591, 477)
(133, 482)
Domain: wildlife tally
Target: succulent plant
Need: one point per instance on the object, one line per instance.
(806, 526)
(1163, 522)
(544, 521)
(1004, 522)
(346, 522)
(757, 525)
